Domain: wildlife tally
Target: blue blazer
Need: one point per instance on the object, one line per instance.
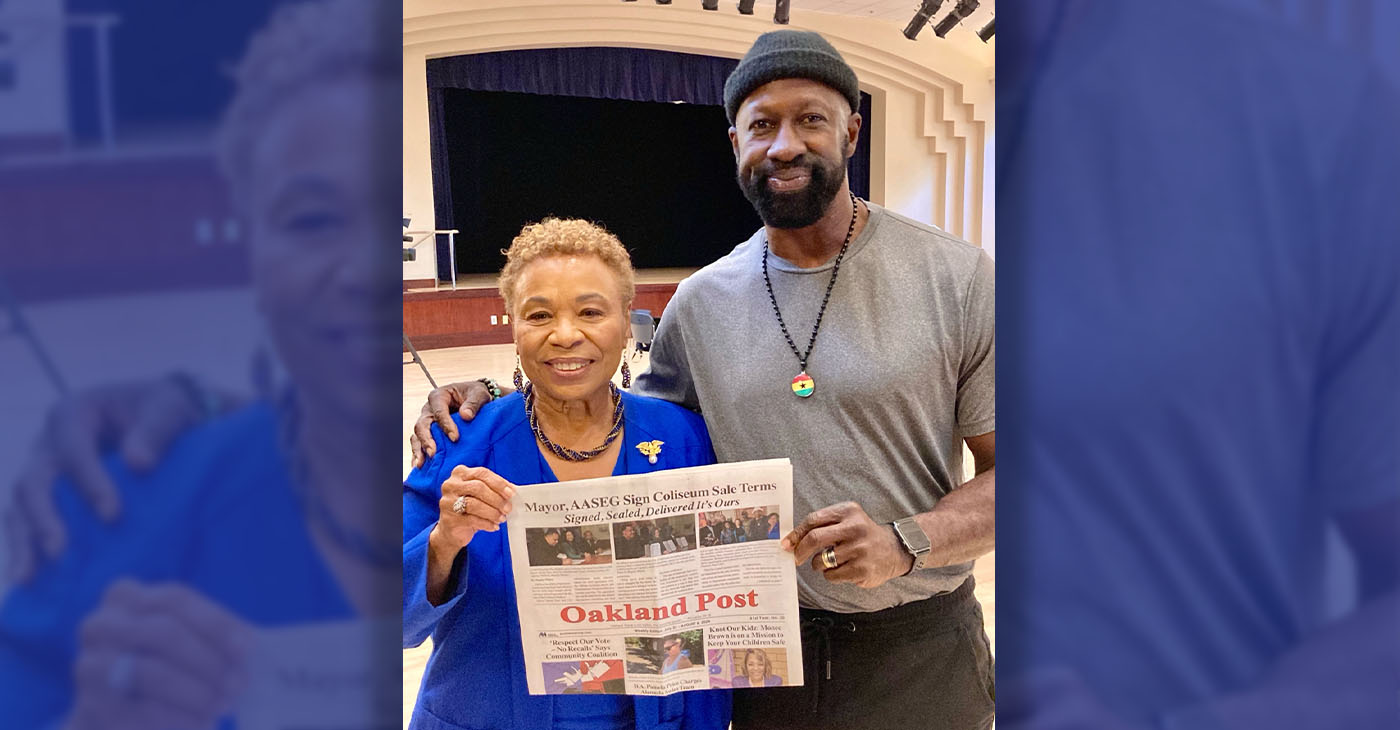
(219, 515)
(475, 677)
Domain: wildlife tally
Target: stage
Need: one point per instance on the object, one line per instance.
(474, 313)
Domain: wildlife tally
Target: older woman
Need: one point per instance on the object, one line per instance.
(567, 285)
(758, 671)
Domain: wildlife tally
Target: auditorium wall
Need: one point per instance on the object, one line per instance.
(932, 99)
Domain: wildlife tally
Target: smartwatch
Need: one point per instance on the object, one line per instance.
(912, 537)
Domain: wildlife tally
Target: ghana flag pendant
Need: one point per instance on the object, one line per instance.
(802, 385)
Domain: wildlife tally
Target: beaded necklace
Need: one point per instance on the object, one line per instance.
(564, 452)
(377, 552)
(803, 385)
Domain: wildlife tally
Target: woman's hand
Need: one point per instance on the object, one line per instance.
(473, 499)
(157, 656)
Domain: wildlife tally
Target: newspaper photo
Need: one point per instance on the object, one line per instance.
(657, 583)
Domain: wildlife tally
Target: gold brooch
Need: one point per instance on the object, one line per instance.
(650, 449)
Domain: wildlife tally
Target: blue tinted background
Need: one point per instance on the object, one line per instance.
(1198, 260)
(128, 254)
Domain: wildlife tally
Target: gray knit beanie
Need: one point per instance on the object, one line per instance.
(789, 54)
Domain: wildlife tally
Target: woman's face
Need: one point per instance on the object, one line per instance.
(317, 226)
(570, 325)
(568, 536)
(754, 665)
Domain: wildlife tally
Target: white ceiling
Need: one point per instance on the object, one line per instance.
(896, 11)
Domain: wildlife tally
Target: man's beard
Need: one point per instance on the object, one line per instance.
(799, 208)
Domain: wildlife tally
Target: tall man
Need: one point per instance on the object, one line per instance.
(867, 356)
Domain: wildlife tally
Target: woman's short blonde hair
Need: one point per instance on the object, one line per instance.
(565, 237)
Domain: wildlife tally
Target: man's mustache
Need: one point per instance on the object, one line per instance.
(768, 169)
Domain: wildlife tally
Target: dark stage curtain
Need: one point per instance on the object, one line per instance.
(630, 74)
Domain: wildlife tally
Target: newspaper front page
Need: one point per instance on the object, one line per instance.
(657, 583)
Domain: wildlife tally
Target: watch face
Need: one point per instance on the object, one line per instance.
(915, 541)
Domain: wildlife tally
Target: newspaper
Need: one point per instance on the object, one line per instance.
(658, 583)
(322, 676)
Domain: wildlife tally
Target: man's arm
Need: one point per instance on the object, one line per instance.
(668, 373)
(961, 527)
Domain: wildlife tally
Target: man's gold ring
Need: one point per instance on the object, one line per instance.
(829, 557)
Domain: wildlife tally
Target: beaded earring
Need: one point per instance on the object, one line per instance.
(626, 375)
(518, 379)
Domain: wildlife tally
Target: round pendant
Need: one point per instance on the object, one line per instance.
(802, 385)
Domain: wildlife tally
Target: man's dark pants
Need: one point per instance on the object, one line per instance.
(921, 666)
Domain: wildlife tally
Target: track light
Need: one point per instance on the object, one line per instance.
(781, 10)
(988, 30)
(709, 4)
(964, 9)
(746, 7)
(927, 9)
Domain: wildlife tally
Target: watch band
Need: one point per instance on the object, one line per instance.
(915, 542)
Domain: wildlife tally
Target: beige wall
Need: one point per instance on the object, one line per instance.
(930, 156)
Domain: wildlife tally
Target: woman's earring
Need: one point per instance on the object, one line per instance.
(626, 375)
(519, 378)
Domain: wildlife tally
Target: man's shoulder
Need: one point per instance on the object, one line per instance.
(912, 253)
(925, 239)
(727, 274)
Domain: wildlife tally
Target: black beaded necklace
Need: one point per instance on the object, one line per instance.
(377, 552)
(803, 385)
(563, 452)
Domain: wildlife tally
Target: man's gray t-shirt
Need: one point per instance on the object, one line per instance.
(904, 368)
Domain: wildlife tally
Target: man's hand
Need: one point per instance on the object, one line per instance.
(140, 420)
(867, 553)
(464, 398)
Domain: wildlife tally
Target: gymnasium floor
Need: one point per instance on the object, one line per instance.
(497, 361)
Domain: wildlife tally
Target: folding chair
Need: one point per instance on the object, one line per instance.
(643, 330)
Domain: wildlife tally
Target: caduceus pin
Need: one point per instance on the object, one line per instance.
(650, 449)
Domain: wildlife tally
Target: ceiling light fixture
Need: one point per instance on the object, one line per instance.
(963, 9)
(927, 9)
